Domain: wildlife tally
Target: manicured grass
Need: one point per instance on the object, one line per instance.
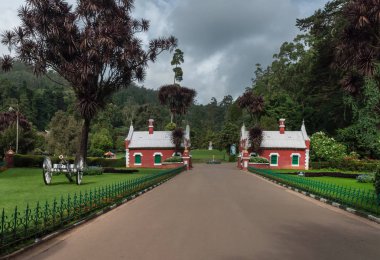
(20, 186)
(317, 170)
(344, 182)
(205, 155)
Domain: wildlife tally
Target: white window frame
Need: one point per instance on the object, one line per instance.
(270, 159)
(154, 157)
(180, 154)
(134, 159)
(299, 158)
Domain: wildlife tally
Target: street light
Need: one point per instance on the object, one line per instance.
(11, 109)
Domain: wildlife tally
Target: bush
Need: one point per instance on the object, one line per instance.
(377, 182)
(102, 162)
(232, 158)
(93, 170)
(174, 159)
(113, 170)
(28, 160)
(346, 165)
(324, 148)
(95, 152)
(365, 178)
(37, 160)
(258, 160)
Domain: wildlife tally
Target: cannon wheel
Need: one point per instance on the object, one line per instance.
(80, 168)
(47, 172)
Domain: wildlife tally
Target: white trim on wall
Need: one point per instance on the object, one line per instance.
(299, 158)
(138, 164)
(154, 157)
(270, 159)
(127, 158)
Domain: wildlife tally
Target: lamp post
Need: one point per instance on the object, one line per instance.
(11, 109)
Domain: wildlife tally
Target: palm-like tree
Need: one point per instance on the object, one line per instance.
(358, 50)
(177, 98)
(255, 138)
(94, 46)
(254, 104)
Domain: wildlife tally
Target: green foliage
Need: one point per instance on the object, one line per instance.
(365, 178)
(102, 162)
(95, 152)
(170, 127)
(174, 159)
(176, 61)
(377, 182)
(93, 170)
(258, 160)
(347, 165)
(101, 140)
(363, 135)
(63, 135)
(324, 148)
(228, 136)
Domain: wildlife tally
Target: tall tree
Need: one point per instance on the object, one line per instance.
(254, 104)
(177, 98)
(94, 46)
(176, 61)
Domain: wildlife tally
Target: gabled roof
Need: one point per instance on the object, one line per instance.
(159, 139)
(290, 139)
(273, 139)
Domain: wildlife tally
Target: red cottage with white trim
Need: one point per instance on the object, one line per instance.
(149, 149)
(283, 149)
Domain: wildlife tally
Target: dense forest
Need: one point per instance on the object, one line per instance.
(327, 76)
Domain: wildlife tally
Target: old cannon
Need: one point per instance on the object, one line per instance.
(71, 171)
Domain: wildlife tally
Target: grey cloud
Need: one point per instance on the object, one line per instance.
(222, 39)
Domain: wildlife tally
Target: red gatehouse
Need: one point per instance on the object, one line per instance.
(149, 149)
(283, 149)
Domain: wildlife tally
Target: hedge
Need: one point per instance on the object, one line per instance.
(37, 160)
(347, 165)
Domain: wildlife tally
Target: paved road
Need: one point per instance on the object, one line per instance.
(217, 212)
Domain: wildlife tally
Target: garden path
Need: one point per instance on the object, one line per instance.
(218, 212)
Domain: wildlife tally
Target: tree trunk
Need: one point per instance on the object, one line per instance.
(84, 139)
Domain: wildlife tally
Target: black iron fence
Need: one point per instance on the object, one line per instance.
(24, 225)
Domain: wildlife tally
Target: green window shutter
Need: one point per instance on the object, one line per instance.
(273, 159)
(157, 159)
(295, 160)
(137, 159)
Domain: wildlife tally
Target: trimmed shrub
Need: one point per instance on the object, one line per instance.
(102, 162)
(113, 170)
(37, 160)
(93, 170)
(232, 158)
(347, 165)
(174, 159)
(377, 182)
(365, 178)
(258, 160)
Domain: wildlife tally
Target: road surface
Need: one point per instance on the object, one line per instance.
(218, 212)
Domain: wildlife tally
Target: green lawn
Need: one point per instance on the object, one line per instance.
(317, 170)
(20, 186)
(344, 182)
(205, 155)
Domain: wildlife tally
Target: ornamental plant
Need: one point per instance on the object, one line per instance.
(377, 183)
(324, 148)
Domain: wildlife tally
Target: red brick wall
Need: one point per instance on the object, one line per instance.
(147, 159)
(285, 159)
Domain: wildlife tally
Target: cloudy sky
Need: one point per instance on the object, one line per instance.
(222, 39)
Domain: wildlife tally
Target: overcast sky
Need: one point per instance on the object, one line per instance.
(222, 39)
